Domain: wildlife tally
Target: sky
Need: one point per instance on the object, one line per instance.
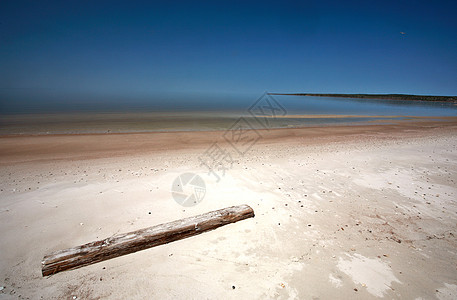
(67, 52)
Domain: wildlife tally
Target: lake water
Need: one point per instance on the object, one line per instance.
(354, 106)
(217, 114)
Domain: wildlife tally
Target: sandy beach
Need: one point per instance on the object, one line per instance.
(353, 212)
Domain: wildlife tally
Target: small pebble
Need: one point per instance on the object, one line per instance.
(233, 287)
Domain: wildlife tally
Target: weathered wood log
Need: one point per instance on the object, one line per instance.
(127, 243)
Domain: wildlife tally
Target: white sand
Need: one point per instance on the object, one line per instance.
(369, 216)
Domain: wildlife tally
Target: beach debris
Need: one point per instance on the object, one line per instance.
(2, 288)
(126, 243)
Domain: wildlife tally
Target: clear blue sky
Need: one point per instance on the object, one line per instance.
(96, 50)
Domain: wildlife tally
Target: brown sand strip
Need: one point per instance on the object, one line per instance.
(17, 149)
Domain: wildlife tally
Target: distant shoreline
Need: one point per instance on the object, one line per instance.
(452, 99)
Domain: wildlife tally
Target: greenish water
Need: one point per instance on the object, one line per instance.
(117, 119)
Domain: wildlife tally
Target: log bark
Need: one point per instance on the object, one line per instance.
(134, 241)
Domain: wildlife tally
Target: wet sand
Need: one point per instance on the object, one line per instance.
(341, 212)
(21, 148)
(143, 122)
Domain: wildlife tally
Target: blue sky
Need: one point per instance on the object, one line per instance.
(66, 51)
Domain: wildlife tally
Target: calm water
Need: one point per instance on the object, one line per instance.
(353, 106)
(211, 114)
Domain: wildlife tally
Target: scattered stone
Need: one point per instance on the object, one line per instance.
(233, 287)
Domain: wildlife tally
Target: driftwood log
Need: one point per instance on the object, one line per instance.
(127, 243)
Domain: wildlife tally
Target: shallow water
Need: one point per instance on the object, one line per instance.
(295, 111)
(355, 106)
